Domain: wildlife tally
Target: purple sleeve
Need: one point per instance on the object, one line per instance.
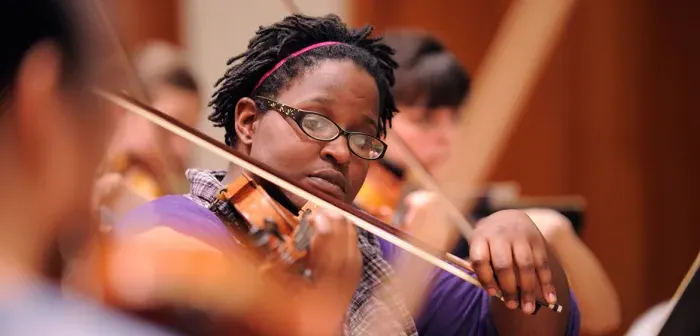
(455, 307)
(178, 213)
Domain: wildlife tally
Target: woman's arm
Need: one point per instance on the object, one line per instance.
(596, 296)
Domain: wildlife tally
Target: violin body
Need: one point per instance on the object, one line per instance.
(381, 193)
(267, 226)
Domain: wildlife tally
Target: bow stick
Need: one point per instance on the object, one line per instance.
(291, 7)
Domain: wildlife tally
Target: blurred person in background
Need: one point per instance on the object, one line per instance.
(431, 87)
(53, 135)
(149, 158)
(144, 160)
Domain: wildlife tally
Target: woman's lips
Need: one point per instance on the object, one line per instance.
(327, 187)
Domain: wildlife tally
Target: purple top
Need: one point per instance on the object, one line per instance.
(455, 307)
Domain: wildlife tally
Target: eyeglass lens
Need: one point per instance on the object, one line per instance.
(322, 128)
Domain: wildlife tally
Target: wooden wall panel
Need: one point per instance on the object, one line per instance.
(138, 21)
(670, 85)
(614, 118)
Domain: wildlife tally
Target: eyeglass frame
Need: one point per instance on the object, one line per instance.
(298, 115)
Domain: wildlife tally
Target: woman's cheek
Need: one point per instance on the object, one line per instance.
(357, 174)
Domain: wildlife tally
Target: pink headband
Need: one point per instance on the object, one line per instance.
(284, 60)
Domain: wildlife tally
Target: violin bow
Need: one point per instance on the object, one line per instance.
(291, 7)
(362, 220)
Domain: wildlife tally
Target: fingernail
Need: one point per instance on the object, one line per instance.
(552, 298)
(492, 292)
(529, 307)
(512, 304)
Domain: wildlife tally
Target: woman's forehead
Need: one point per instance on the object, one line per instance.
(337, 85)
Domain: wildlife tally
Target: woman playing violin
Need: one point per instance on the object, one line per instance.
(312, 98)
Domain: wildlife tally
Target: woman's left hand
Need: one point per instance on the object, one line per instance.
(509, 254)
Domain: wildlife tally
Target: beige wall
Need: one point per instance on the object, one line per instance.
(215, 30)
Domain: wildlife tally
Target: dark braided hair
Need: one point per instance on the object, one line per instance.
(272, 44)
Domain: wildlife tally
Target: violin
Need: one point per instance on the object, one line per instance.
(381, 193)
(282, 237)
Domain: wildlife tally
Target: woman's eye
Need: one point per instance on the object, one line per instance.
(319, 127)
(361, 142)
(313, 124)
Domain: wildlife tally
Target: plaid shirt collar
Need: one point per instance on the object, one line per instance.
(367, 307)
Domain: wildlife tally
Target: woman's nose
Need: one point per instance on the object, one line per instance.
(337, 151)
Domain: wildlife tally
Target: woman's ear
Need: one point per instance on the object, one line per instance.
(246, 121)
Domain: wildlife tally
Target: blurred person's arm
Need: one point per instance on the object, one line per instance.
(597, 298)
(425, 219)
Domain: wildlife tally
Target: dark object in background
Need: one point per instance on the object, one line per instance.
(683, 319)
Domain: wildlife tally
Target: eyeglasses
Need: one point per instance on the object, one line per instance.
(319, 127)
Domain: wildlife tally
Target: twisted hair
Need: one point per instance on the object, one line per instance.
(273, 43)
